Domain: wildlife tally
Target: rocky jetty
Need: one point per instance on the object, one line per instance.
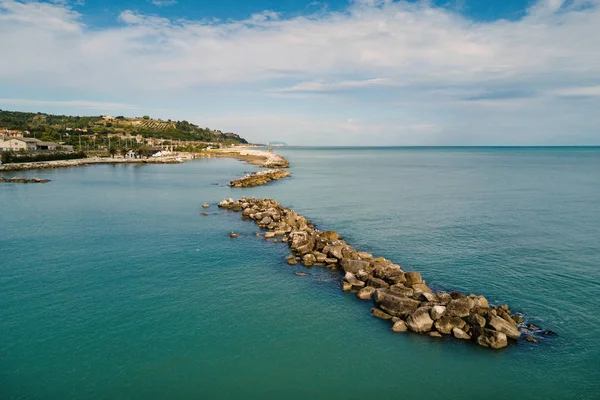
(259, 178)
(403, 298)
(262, 158)
(80, 162)
(23, 180)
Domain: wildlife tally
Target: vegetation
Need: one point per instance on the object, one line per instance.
(94, 132)
(22, 157)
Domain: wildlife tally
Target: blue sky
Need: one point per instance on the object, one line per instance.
(361, 72)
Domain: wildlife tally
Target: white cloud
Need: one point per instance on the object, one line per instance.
(428, 65)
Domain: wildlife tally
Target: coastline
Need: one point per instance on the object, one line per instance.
(262, 158)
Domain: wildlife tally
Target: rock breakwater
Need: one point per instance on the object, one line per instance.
(262, 158)
(23, 180)
(259, 178)
(399, 296)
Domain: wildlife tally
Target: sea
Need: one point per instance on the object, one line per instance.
(113, 285)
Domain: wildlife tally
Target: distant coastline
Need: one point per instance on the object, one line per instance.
(262, 158)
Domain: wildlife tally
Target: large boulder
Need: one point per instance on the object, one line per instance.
(420, 321)
(366, 293)
(353, 266)
(503, 326)
(421, 288)
(460, 334)
(356, 283)
(460, 307)
(380, 314)
(378, 283)
(308, 260)
(437, 312)
(413, 278)
(402, 290)
(443, 298)
(446, 323)
(477, 320)
(399, 327)
(395, 303)
(492, 339)
(336, 251)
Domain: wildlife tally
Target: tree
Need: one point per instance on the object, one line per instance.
(123, 151)
(144, 151)
(112, 151)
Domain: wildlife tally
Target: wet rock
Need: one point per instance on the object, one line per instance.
(380, 314)
(531, 339)
(269, 235)
(308, 260)
(399, 327)
(234, 235)
(205, 214)
(301, 273)
(492, 339)
(395, 304)
(205, 205)
(292, 261)
(435, 334)
(366, 293)
(503, 326)
(518, 319)
(420, 321)
(365, 256)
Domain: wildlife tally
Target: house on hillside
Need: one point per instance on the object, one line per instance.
(26, 144)
(18, 144)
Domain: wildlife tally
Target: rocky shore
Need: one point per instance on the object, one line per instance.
(399, 296)
(175, 159)
(262, 158)
(259, 178)
(23, 180)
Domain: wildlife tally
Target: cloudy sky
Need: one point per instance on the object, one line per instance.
(339, 72)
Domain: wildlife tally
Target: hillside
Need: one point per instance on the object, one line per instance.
(64, 128)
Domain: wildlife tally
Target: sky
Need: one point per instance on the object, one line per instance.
(318, 73)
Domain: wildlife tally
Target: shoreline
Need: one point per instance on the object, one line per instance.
(262, 158)
(402, 298)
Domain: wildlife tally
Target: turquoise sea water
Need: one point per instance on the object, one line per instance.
(113, 285)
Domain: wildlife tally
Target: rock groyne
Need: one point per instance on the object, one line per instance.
(23, 180)
(399, 296)
(94, 160)
(262, 158)
(259, 178)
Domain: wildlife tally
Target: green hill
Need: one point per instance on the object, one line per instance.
(64, 128)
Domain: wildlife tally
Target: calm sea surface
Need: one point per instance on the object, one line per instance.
(114, 286)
